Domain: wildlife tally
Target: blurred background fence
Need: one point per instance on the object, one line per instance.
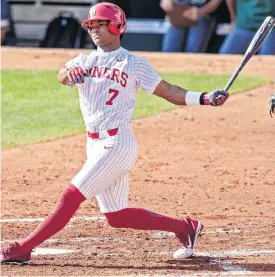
(145, 20)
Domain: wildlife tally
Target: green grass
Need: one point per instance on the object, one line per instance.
(35, 107)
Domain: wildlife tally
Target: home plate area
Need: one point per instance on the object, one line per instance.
(219, 258)
(138, 253)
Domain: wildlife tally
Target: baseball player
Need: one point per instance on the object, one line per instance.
(107, 80)
(272, 105)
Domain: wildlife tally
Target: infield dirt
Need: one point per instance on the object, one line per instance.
(215, 164)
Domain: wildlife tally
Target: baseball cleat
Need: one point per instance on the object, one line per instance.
(13, 255)
(188, 241)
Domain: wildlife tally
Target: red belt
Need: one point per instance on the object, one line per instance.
(111, 132)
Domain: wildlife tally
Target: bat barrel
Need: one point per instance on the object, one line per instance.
(253, 47)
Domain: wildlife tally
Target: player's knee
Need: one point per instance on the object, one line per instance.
(71, 196)
(115, 219)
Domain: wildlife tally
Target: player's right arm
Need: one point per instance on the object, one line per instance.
(73, 71)
(70, 76)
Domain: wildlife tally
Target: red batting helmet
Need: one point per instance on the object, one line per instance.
(111, 12)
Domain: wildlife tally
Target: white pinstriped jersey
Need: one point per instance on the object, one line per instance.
(108, 95)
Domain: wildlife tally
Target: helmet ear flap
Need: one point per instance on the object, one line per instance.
(115, 28)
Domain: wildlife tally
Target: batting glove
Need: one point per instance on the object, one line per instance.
(76, 75)
(272, 105)
(215, 98)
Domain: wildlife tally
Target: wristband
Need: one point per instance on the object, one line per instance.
(194, 98)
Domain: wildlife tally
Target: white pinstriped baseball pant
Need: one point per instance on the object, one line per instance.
(104, 175)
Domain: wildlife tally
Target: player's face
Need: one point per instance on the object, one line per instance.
(101, 36)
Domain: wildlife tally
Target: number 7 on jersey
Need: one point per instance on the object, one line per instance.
(115, 94)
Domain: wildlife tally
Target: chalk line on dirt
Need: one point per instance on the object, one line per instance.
(40, 219)
(50, 251)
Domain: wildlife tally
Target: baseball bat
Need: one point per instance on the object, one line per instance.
(253, 47)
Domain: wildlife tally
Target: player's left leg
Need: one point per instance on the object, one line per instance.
(113, 202)
(186, 230)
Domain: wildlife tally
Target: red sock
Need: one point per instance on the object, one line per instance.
(68, 204)
(142, 219)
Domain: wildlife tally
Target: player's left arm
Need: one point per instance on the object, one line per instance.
(149, 80)
(181, 96)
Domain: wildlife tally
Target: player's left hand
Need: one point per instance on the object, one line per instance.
(215, 98)
(272, 105)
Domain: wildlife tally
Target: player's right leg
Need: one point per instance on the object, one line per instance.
(108, 160)
(20, 253)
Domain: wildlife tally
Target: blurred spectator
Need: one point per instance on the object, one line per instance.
(193, 37)
(222, 28)
(248, 16)
(7, 29)
(5, 19)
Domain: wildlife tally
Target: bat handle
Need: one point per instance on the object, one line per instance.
(234, 76)
(231, 81)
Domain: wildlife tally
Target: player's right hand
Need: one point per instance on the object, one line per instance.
(76, 75)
